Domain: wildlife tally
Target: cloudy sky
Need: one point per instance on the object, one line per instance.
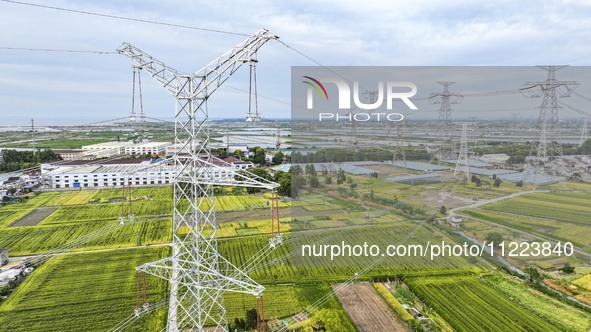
(58, 87)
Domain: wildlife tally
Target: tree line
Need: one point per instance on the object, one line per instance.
(13, 160)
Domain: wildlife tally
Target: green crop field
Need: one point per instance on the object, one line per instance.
(39, 239)
(279, 266)
(470, 304)
(84, 292)
(567, 207)
(86, 211)
(553, 311)
(446, 284)
(560, 216)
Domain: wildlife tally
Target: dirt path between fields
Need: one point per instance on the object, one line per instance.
(367, 309)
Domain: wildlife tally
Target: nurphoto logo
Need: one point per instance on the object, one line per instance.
(389, 92)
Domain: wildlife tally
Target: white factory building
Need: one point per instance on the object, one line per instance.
(153, 148)
(140, 172)
(108, 149)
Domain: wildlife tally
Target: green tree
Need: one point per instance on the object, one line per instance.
(443, 209)
(310, 169)
(297, 183)
(495, 237)
(238, 153)
(328, 180)
(259, 157)
(585, 148)
(258, 172)
(284, 180)
(497, 183)
(534, 274)
(251, 319)
(330, 320)
(296, 170)
(278, 158)
(341, 177)
(314, 183)
(567, 269)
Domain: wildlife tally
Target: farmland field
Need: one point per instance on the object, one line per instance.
(447, 285)
(470, 304)
(280, 301)
(279, 266)
(567, 207)
(561, 216)
(552, 310)
(83, 292)
(39, 239)
(584, 282)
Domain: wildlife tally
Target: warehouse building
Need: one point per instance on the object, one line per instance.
(152, 148)
(108, 149)
(138, 172)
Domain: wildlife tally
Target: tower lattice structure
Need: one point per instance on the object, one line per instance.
(445, 99)
(548, 146)
(198, 275)
(463, 163)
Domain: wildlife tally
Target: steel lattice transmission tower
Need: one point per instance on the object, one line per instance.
(197, 273)
(515, 115)
(445, 99)
(399, 152)
(548, 147)
(444, 150)
(463, 163)
(585, 132)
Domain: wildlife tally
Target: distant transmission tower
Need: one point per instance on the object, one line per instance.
(198, 275)
(33, 134)
(228, 138)
(584, 133)
(355, 142)
(515, 115)
(278, 139)
(549, 146)
(445, 99)
(463, 163)
(399, 153)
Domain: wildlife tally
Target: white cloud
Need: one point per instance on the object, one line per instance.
(402, 32)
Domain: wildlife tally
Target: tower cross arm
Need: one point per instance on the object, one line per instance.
(158, 69)
(207, 79)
